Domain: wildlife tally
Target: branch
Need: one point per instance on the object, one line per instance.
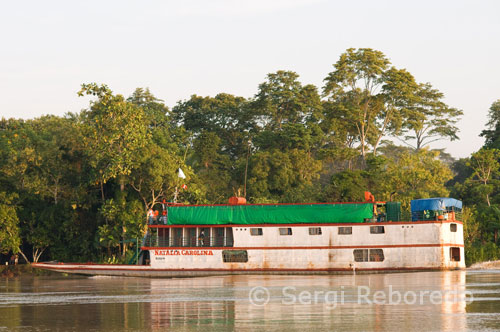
(405, 142)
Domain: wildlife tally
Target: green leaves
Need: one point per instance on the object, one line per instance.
(492, 134)
(282, 99)
(115, 131)
(379, 100)
(10, 238)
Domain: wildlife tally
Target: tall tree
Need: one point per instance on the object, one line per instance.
(274, 173)
(486, 167)
(10, 238)
(225, 115)
(417, 174)
(355, 87)
(283, 99)
(428, 118)
(492, 134)
(116, 131)
(156, 113)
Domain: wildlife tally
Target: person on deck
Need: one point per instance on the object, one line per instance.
(163, 217)
(151, 216)
(201, 238)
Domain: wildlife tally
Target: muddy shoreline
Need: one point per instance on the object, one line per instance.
(13, 271)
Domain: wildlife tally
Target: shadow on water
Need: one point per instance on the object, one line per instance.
(431, 301)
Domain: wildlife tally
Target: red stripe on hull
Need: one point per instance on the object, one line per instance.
(408, 223)
(317, 247)
(82, 268)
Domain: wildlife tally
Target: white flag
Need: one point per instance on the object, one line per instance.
(181, 174)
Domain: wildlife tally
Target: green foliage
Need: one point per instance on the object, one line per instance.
(274, 173)
(377, 100)
(282, 99)
(115, 131)
(492, 133)
(347, 186)
(418, 174)
(485, 170)
(481, 253)
(10, 239)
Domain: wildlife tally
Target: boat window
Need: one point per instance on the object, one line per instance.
(285, 231)
(314, 230)
(234, 256)
(376, 255)
(455, 254)
(229, 237)
(191, 237)
(453, 227)
(377, 229)
(365, 255)
(218, 240)
(163, 237)
(256, 231)
(177, 237)
(360, 255)
(345, 230)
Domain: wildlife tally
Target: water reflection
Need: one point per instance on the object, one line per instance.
(223, 303)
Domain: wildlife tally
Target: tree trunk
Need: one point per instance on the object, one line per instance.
(122, 183)
(24, 256)
(55, 195)
(102, 190)
(37, 253)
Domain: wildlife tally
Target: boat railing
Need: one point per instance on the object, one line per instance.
(186, 241)
(432, 215)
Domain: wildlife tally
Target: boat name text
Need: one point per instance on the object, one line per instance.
(184, 253)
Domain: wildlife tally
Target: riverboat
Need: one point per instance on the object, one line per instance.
(319, 238)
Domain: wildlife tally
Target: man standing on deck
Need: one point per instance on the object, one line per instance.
(201, 238)
(151, 215)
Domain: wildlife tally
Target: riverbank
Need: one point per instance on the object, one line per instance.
(488, 265)
(12, 271)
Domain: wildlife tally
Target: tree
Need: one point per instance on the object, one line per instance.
(417, 174)
(347, 186)
(54, 143)
(490, 220)
(428, 118)
(115, 132)
(156, 113)
(492, 134)
(213, 167)
(274, 173)
(155, 176)
(124, 222)
(225, 115)
(485, 166)
(379, 100)
(10, 238)
(283, 99)
(355, 87)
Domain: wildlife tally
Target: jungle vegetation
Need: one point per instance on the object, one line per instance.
(77, 187)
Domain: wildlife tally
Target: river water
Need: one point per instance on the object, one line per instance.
(422, 301)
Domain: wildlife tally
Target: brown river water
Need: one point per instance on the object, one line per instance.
(422, 301)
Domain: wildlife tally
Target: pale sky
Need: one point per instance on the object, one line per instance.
(180, 48)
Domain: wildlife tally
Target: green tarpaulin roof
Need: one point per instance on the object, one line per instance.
(269, 214)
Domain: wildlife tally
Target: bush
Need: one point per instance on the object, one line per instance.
(481, 252)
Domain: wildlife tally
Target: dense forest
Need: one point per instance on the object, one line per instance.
(77, 187)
